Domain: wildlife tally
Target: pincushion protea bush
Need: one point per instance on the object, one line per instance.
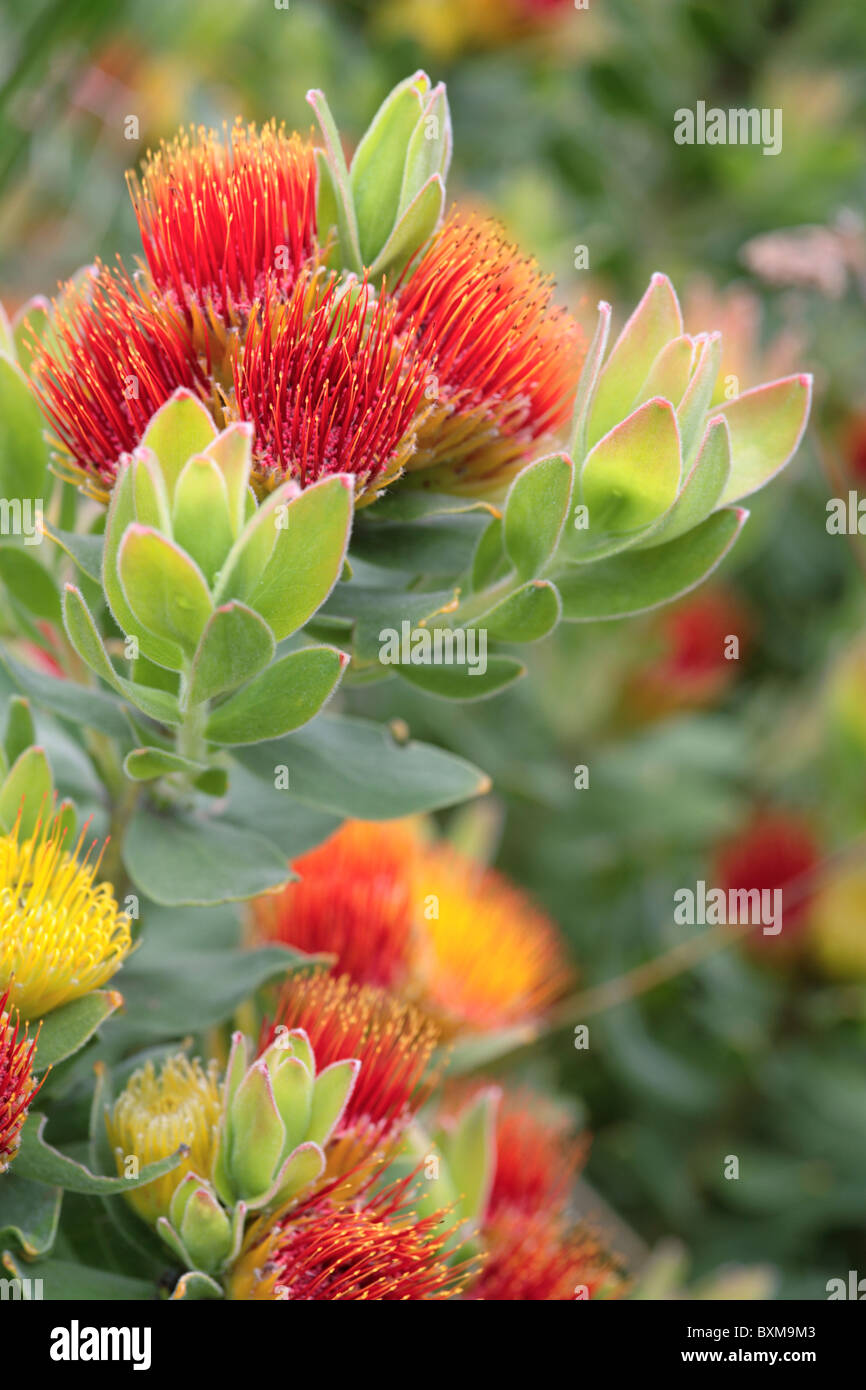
(324, 408)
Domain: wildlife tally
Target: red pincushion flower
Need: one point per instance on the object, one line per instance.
(692, 668)
(327, 388)
(531, 1258)
(353, 899)
(393, 1042)
(506, 363)
(221, 219)
(370, 1249)
(17, 1086)
(775, 850)
(536, 1157)
(118, 359)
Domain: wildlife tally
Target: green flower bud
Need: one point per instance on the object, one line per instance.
(278, 1116)
(199, 1230)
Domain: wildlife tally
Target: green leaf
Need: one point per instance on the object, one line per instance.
(7, 337)
(635, 582)
(86, 551)
(702, 489)
(165, 589)
(586, 387)
(375, 610)
(201, 520)
(28, 788)
(426, 155)
(527, 615)
(121, 515)
(180, 992)
(632, 475)
(232, 453)
(376, 175)
(307, 558)
(443, 545)
(195, 1285)
(692, 409)
(331, 1091)
(82, 632)
(415, 227)
(335, 163)
(23, 452)
(670, 373)
(39, 1162)
(66, 1281)
(235, 644)
(180, 428)
(654, 322)
(77, 703)
(20, 733)
(353, 767)
(286, 695)
(29, 1213)
(422, 506)
(146, 764)
(179, 859)
(464, 682)
(67, 1029)
(247, 560)
(535, 512)
(472, 1153)
(766, 426)
(29, 582)
(489, 562)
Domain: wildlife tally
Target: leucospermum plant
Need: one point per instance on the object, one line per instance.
(328, 431)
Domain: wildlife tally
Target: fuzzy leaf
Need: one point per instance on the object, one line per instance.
(535, 512)
(165, 589)
(283, 697)
(766, 426)
(632, 475)
(180, 428)
(654, 322)
(235, 644)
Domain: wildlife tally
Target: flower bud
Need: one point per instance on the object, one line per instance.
(278, 1117)
(198, 1227)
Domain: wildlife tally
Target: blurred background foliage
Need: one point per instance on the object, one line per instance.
(564, 129)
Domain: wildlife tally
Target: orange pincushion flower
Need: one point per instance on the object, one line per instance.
(353, 899)
(366, 1250)
(490, 957)
(222, 218)
(120, 357)
(327, 388)
(775, 850)
(506, 363)
(536, 1157)
(393, 1041)
(17, 1086)
(533, 1258)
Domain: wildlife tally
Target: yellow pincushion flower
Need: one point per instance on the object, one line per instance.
(155, 1114)
(62, 933)
(838, 926)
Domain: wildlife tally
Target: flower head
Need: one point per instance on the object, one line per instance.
(328, 389)
(490, 958)
(353, 899)
(393, 1042)
(224, 218)
(115, 360)
(505, 363)
(17, 1086)
(693, 667)
(533, 1257)
(62, 933)
(776, 850)
(155, 1114)
(369, 1249)
(536, 1156)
